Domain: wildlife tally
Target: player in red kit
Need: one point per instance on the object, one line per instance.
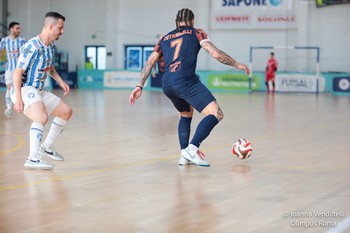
(271, 69)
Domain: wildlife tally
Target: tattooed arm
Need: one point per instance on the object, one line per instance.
(151, 62)
(223, 57)
(136, 93)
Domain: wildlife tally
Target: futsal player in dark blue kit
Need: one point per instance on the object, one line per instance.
(157, 73)
(180, 84)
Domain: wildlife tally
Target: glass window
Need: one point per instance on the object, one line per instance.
(97, 56)
(136, 56)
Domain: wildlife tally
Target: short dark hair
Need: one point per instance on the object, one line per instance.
(272, 53)
(55, 15)
(184, 15)
(12, 24)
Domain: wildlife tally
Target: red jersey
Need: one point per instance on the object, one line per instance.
(271, 69)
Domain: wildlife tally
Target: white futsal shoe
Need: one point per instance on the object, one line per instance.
(195, 156)
(183, 161)
(37, 163)
(50, 152)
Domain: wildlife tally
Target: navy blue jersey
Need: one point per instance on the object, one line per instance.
(180, 49)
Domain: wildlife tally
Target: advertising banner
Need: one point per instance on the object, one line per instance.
(253, 14)
(299, 83)
(120, 79)
(231, 82)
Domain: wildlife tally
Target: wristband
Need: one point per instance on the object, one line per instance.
(139, 87)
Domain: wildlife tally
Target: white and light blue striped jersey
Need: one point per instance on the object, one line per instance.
(36, 59)
(12, 47)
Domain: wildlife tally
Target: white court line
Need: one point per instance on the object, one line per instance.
(341, 226)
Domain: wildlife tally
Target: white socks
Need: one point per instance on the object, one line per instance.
(35, 137)
(56, 129)
(9, 103)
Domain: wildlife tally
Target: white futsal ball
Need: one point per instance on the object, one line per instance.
(242, 148)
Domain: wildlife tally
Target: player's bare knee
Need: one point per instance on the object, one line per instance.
(70, 112)
(67, 113)
(42, 119)
(63, 111)
(219, 115)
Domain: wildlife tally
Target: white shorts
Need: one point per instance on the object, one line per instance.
(31, 95)
(8, 77)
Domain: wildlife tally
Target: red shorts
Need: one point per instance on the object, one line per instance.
(270, 77)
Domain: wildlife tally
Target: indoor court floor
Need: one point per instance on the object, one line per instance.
(120, 172)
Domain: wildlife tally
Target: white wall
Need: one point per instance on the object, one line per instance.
(116, 23)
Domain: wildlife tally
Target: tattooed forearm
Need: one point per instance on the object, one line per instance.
(218, 54)
(226, 59)
(207, 46)
(145, 73)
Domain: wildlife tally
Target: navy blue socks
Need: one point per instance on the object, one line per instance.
(184, 131)
(203, 129)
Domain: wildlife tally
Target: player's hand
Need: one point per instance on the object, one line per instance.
(64, 86)
(136, 93)
(241, 66)
(18, 105)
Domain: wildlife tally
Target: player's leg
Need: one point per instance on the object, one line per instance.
(267, 80)
(186, 113)
(184, 128)
(184, 131)
(213, 114)
(9, 104)
(267, 86)
(35, 110)
(203, 101)
(62, 112)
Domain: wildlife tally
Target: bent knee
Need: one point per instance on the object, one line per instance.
(68, 112)
(220, 116)
(41, 118)
(65, 113)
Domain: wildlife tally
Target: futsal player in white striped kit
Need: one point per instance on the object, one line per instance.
(12, 44)
(35, 63)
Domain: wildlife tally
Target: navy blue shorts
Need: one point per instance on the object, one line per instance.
(195, 94)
